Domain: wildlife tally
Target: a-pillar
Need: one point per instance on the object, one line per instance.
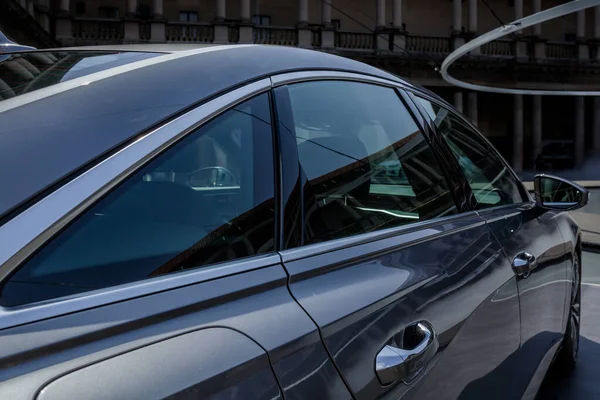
(383, 41)
(596, 131)
(517, 148)
(473, 21)
(220, 27)
(131, 24)
(540, 45)
(472, 100)
(157, 25)
(304, 32)
(459, 40)
(521, 44)
(246, 35)
(458, 100)
(327, 32)
(399, 33)
(537, 127)
(579, 130)
(63, 23)
(583, 49)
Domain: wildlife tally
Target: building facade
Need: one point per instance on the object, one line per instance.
(406, 37)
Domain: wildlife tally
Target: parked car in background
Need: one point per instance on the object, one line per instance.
(556, 154)
(261, 222)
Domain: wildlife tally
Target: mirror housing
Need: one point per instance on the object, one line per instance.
(554, 193)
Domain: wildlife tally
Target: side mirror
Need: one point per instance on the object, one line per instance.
(554, 193)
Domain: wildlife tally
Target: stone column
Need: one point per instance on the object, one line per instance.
(458, 100)
(64, 24)
(517, 148)
(221, 29)
(383, 41)
(132, 7)
(582, 46)
(246, 35)
(304, 33)
(30, 9)
(399, 34)
(472, 100)
(473, 21)
(327, 33)
(157, 25)
(521, 45)
(540, 46)
(537, 126)
(596, 131)
(579, 130)
(457, 23)
(131, 24)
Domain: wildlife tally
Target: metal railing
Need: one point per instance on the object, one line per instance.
(101, 30)
(561, 50)
(283, 36)
(355, 40)
(503, 48)
(189, 32)
(428, 44)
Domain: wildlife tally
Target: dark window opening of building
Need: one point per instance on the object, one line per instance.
(108, 12)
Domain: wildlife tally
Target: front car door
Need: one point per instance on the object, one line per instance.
(162, 279)
(527, 234)
(380, 251)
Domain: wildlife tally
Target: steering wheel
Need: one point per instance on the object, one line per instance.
(219, 170)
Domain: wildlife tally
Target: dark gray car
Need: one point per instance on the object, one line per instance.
(257, 222)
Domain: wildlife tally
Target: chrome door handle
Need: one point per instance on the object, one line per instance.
(523, 263)
(404, 362)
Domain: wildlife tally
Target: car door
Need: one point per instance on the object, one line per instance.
(530, 238)
(410, 292)
(166, 282)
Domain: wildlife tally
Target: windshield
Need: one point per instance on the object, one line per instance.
(22, 73)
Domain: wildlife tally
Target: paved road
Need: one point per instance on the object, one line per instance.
(584, 384)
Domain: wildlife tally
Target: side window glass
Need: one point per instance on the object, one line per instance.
(207, 199)
(366, 163)
(488, 176)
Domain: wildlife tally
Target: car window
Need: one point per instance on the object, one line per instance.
(366, 163)
(490, 179)
(208, 199)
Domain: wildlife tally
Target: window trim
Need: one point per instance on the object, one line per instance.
(463, 119)
(47, 218)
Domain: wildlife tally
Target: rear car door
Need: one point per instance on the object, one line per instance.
(167, 283)
(530, 238)
(410, 292)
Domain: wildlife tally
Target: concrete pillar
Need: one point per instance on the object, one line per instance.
(458, 100)
(30, 9)
(473, 15)
(397, 14)
(246, 29)
(65, 5)
(537, 7)
(63, 25)
(303, 11)
(380, 13)
(327, 34)
(596, 132)
(221, 9)
(457, 23)
(537, 126)
(132, 6)
(583, 48)
(521, 45)
(158, 8)
(517, 159)
(579, 130)
(472, 100)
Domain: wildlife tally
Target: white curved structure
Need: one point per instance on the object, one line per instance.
(538, 18)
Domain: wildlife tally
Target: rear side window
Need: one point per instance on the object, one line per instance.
(489, 178)
(208, 199)
(366, 164)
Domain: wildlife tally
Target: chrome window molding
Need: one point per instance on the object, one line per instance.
(28, 231)
(15, 316)
(307, 76)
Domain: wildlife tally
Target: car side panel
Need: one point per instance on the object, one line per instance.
(256, 303)
(450, 273)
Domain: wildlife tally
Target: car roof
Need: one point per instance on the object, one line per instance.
(51, 134)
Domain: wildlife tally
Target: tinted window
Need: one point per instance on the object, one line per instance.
(25, 72)
(206, 200)
(367, 166)
(489, 178)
